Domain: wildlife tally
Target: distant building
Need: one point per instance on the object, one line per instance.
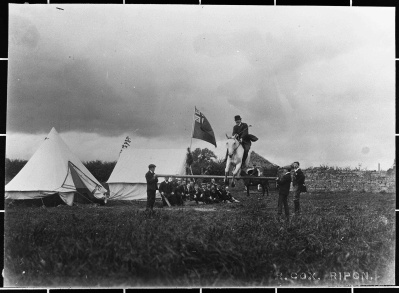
(266, 166)
(392, 170)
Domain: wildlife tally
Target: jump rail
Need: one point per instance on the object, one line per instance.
(215, 177)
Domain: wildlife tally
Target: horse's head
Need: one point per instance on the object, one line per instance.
(232, 144)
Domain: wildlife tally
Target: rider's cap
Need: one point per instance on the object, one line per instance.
(151, 166)
(237, 117)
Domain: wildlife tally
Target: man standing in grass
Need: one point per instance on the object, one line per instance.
(284, 182)
(298, 181)
(152, 187)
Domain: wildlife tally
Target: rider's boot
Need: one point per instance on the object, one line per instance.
(244, 158)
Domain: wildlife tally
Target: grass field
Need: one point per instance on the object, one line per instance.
(340, 239)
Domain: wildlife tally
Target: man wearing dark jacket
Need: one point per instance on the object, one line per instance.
(240, 130)
(152, 187)
(284, 183)
(179, 192)
(297, 182)
(198, 194)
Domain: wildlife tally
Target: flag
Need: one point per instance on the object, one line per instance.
(202, 128)
(126, 144)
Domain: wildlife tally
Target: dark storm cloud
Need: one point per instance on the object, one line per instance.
(323, 73)
(97, 78)
(77, 96)
(49, 87)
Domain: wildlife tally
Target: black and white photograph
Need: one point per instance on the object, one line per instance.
(200, 146)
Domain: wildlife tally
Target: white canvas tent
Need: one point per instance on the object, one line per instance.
(127, 181)
(54, 169)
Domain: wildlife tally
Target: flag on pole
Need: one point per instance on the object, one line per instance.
(126, 144)
(202, 129)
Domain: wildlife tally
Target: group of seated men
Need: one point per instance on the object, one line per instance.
(178, 191)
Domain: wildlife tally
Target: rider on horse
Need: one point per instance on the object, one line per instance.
(240, 131)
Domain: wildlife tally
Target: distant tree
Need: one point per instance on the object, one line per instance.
(100, 170)
(12, 168)
(324, 167)
(202, 160)
(203, 155)
(216, 168)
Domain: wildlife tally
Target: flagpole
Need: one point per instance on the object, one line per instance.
(191, 140)
(192, 131)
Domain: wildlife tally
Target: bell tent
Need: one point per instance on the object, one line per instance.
(55, 172)
(127, 180)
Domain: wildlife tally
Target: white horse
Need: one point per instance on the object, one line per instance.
(235, 152)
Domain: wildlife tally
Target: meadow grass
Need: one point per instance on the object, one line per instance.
(240, 244)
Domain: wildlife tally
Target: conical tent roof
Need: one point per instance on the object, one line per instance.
(47, 171)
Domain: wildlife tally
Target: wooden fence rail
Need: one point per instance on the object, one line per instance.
(214, 176)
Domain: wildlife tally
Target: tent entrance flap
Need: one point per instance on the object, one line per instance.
(86, 189)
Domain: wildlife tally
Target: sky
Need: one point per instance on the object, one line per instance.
(316, 83)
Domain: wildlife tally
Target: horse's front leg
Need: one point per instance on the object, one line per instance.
(226, 172)
(226, 181)
(236, 171)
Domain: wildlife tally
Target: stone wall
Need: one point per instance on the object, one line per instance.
(353, 181)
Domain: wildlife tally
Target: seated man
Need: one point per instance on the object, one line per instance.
(213, 183)
(166, 190)
(179, 192)
(207, 194)
(219, 191)
(173, 200)
(227, 197)
(185, 191)
(215, 195)
(224, 194)
(198, 194)
(190, 191)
